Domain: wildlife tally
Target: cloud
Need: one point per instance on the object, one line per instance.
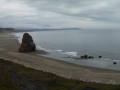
(58, 14)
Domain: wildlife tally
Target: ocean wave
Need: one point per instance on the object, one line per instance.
(40, 48)
(68, 53)
(18, 36)
(117, 60)
(60, 50)
(71, 53)
(107, 59)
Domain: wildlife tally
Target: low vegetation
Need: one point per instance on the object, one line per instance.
(17, 77)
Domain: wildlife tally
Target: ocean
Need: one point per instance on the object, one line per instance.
(62, 44)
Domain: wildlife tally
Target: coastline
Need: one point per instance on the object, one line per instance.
(9, 50)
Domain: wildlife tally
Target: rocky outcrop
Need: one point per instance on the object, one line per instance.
(87, 57)
(100, 56)
(28, 44)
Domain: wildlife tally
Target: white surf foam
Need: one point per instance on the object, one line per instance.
(18, 36)
(67, 53)
(107, 59)
(117, 60)
(71, 53)
(40, 48)
(60, 50)
(44, 49)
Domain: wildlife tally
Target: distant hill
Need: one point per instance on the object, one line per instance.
(35, 29)
(44, 29)
(7, 29)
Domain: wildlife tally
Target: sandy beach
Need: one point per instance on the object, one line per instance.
(9, 50)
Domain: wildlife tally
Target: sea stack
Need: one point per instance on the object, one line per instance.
(27, 44)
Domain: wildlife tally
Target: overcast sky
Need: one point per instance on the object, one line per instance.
(60, 13)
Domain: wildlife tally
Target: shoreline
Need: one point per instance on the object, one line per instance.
(9, 50)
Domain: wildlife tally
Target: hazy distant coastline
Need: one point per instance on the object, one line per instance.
(35, 29)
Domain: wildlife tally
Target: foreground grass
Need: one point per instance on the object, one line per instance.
(52, 81)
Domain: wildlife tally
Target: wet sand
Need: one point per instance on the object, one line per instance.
(9, 50)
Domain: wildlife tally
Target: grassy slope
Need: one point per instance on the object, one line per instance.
(53, 82)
